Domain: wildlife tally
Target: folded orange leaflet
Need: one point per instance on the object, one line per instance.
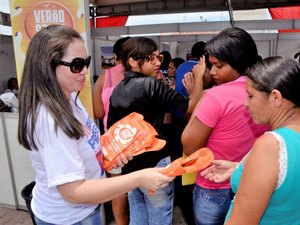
(132, 134)
(199, 160)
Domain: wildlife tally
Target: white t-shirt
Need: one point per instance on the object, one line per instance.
(61, 160)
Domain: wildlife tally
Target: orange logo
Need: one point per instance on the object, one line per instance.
(124, 133)
(44, 14)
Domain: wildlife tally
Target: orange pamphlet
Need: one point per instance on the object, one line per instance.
(199, 160)
(132, 134)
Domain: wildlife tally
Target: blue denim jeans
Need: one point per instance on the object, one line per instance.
(92, 219)
(156, 209)
(211, 205)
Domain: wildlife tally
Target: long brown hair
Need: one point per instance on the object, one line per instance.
(40, 86)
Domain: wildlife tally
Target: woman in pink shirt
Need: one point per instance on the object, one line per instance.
(221, 122)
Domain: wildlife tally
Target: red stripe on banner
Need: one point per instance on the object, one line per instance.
(292, 12)
(112, 21)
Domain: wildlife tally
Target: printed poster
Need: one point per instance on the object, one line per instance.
(29, 16)
(107, 57)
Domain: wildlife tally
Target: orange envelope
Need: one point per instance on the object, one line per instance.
(132, 134)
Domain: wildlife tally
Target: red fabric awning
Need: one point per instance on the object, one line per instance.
(112, 21)
(292, 12)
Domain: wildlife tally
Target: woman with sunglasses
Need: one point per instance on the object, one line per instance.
(62, 139)
(142, 92)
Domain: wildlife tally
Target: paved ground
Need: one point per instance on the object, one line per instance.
(21, 217)
(14, 217)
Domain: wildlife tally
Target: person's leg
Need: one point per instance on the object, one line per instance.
(137, 207)
(120, 207)
(186, 203)
(152, 209)
(211, 206)
(160, 204)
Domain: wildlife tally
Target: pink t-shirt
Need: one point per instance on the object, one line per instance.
(234, 132)
(113, 77)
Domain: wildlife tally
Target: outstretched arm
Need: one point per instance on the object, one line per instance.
(103, 190)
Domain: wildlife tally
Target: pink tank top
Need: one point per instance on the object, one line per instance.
(113, 77)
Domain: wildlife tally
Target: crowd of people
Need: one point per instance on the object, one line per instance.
(245, 109)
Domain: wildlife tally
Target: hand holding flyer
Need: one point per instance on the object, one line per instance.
(132, 134)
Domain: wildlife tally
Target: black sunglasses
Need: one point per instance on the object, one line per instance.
(151, 58)
(77, 64)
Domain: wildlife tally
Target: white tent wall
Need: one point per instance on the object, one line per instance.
(287, 48)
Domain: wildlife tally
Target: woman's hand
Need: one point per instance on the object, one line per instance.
(188, 82)
(123, 159)
(197, 89)
(221, 170)
(153, 178)
(199, 68)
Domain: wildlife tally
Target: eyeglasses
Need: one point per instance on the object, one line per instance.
(77, 64)
(151, 58)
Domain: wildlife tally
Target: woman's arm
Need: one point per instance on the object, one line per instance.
(195, 135)
(102, 190)
(258, 182)
(97, 99)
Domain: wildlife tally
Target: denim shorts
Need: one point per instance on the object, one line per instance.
(211, 205)
(156, 209)
(92, 219)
